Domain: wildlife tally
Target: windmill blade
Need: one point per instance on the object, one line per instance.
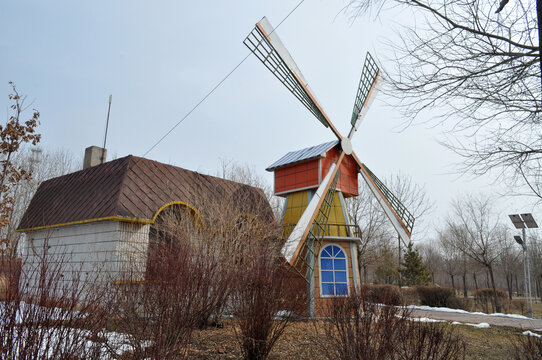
(367, 89)
(264, 42)
(304, 260)
(295, 241)
(401, 219)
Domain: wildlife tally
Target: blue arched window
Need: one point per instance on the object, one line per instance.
(333, 271)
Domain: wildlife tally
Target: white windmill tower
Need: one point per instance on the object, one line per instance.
(321, 241)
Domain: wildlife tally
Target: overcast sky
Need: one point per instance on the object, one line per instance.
(160, 58)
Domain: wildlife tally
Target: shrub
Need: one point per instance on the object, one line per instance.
(517, 304)
(527, 348)
(10, 273)
(434, 296)
(484, 296)
(455, 302)
(410, 296)
(159, 315)
(361, 330)
(382, 294)
(262, 300)
(45, 317)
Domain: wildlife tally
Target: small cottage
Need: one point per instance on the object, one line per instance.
(100, 219)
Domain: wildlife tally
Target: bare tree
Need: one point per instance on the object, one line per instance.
(43, 165)
(247, 175)
(451, 256)
(473, 231)
(510, 262)
(480, 71)
(365, 212)
(13, 135)
(432, 257)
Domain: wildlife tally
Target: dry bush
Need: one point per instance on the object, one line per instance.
(410, 296)
(484, 296)
(160, 313)
(382, 294)
(527, 348)
(10, 272)
(47, 317)
(263, 298)
(358, 329)
(517, 304)
(196, 265)
(455, 302)
(434, 296)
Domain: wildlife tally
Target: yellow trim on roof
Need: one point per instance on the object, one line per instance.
(119, 218)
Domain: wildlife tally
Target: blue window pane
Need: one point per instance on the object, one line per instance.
(333, 271)
(327, 276)
(326, 252)
(341, 289)
(340, 264)
(327, 264)
(340, 276)
(327, 289)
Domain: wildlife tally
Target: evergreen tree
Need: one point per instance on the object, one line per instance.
(413, 270)
(386, 271)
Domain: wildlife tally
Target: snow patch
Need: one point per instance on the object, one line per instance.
(480, 325)
(459, 311)
(530, 333)
(424, 319)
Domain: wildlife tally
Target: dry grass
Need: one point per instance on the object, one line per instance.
(299, 342)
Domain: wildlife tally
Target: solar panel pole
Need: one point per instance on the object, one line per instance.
(522, 222)
(527, 265)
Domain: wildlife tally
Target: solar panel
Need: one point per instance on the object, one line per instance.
(302, 155)
(517, 221)
(529, 221)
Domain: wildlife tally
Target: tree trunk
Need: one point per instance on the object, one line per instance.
(453, 282)
(517, 287)
(487, 280)
(538, 16)
(509, 284)
(475, 281)
(496, 303)
(465, 286)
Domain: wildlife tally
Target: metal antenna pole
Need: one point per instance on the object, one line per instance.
(106, 127)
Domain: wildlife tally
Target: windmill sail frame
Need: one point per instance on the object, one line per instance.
(265, 44)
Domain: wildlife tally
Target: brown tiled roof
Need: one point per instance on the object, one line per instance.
(130, 188)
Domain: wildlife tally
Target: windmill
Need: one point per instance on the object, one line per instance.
(305, 238)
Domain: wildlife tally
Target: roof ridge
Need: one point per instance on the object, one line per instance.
(304, 154)
(127, 168)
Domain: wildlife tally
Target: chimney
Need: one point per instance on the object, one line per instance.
(94, 155)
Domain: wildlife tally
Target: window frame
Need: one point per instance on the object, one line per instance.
(320, 272)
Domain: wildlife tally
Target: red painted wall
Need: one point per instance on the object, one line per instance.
(296, 176)
(305, 175)
(348, 180)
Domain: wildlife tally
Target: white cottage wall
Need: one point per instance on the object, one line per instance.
(99, 251)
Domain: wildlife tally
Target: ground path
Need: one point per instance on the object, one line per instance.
(530, 324)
